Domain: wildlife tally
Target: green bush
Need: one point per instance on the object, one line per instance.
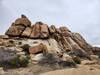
(1, 64)
(77, 60)
(24, 61)
(14, 61)
(9, 59)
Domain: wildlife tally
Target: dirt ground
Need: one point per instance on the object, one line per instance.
(30, 70)
(82, 69)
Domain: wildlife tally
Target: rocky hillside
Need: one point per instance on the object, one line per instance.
(40, 43)
(67, 40)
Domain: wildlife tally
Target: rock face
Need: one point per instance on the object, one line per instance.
(66, 39)
(82, 43)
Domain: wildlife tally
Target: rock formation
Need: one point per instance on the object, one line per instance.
(66, 39)
(42, 38)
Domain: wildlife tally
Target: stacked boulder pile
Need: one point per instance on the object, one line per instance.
(46, 44)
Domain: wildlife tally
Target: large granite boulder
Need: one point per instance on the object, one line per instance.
(36, 31)
(37, 49)
(19, 26)
(15, 31)
(27, 32)
(23, 21)
(52, 29)
(44, 33)
(40, 30)
(65, 31)
(4, 37)
(96, 51)
(82, 43)
(72, 43)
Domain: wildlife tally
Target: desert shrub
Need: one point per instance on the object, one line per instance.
(77, 60)
(79, 53)
(10, 63)
(55, 62)
(14, 62)
(26, 48)
(1, 64)
(49, 59)
(24, 61)
(65, 64)
(9, 59)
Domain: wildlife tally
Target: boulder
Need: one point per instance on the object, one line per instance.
(37, 49)
(39, 30)
(94, 57)
(52, 29)
(66, 57)
(24, 21)
(1, 42)
(65, 44)
(2, 72)
(88, 62)
(56, 36)
(65, 31)
(4, 37)
(58, 30)
(15, 31)
(37, 57)
(44, 32)
(35, 31)
(52, 46)
(7, 42)
(82, 43)
(72, 43)
(96, 51)
(27, 32)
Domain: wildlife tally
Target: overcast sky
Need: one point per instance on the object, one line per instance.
(81, 16)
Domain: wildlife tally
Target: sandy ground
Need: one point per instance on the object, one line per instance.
(81, 70)
(30, 70)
